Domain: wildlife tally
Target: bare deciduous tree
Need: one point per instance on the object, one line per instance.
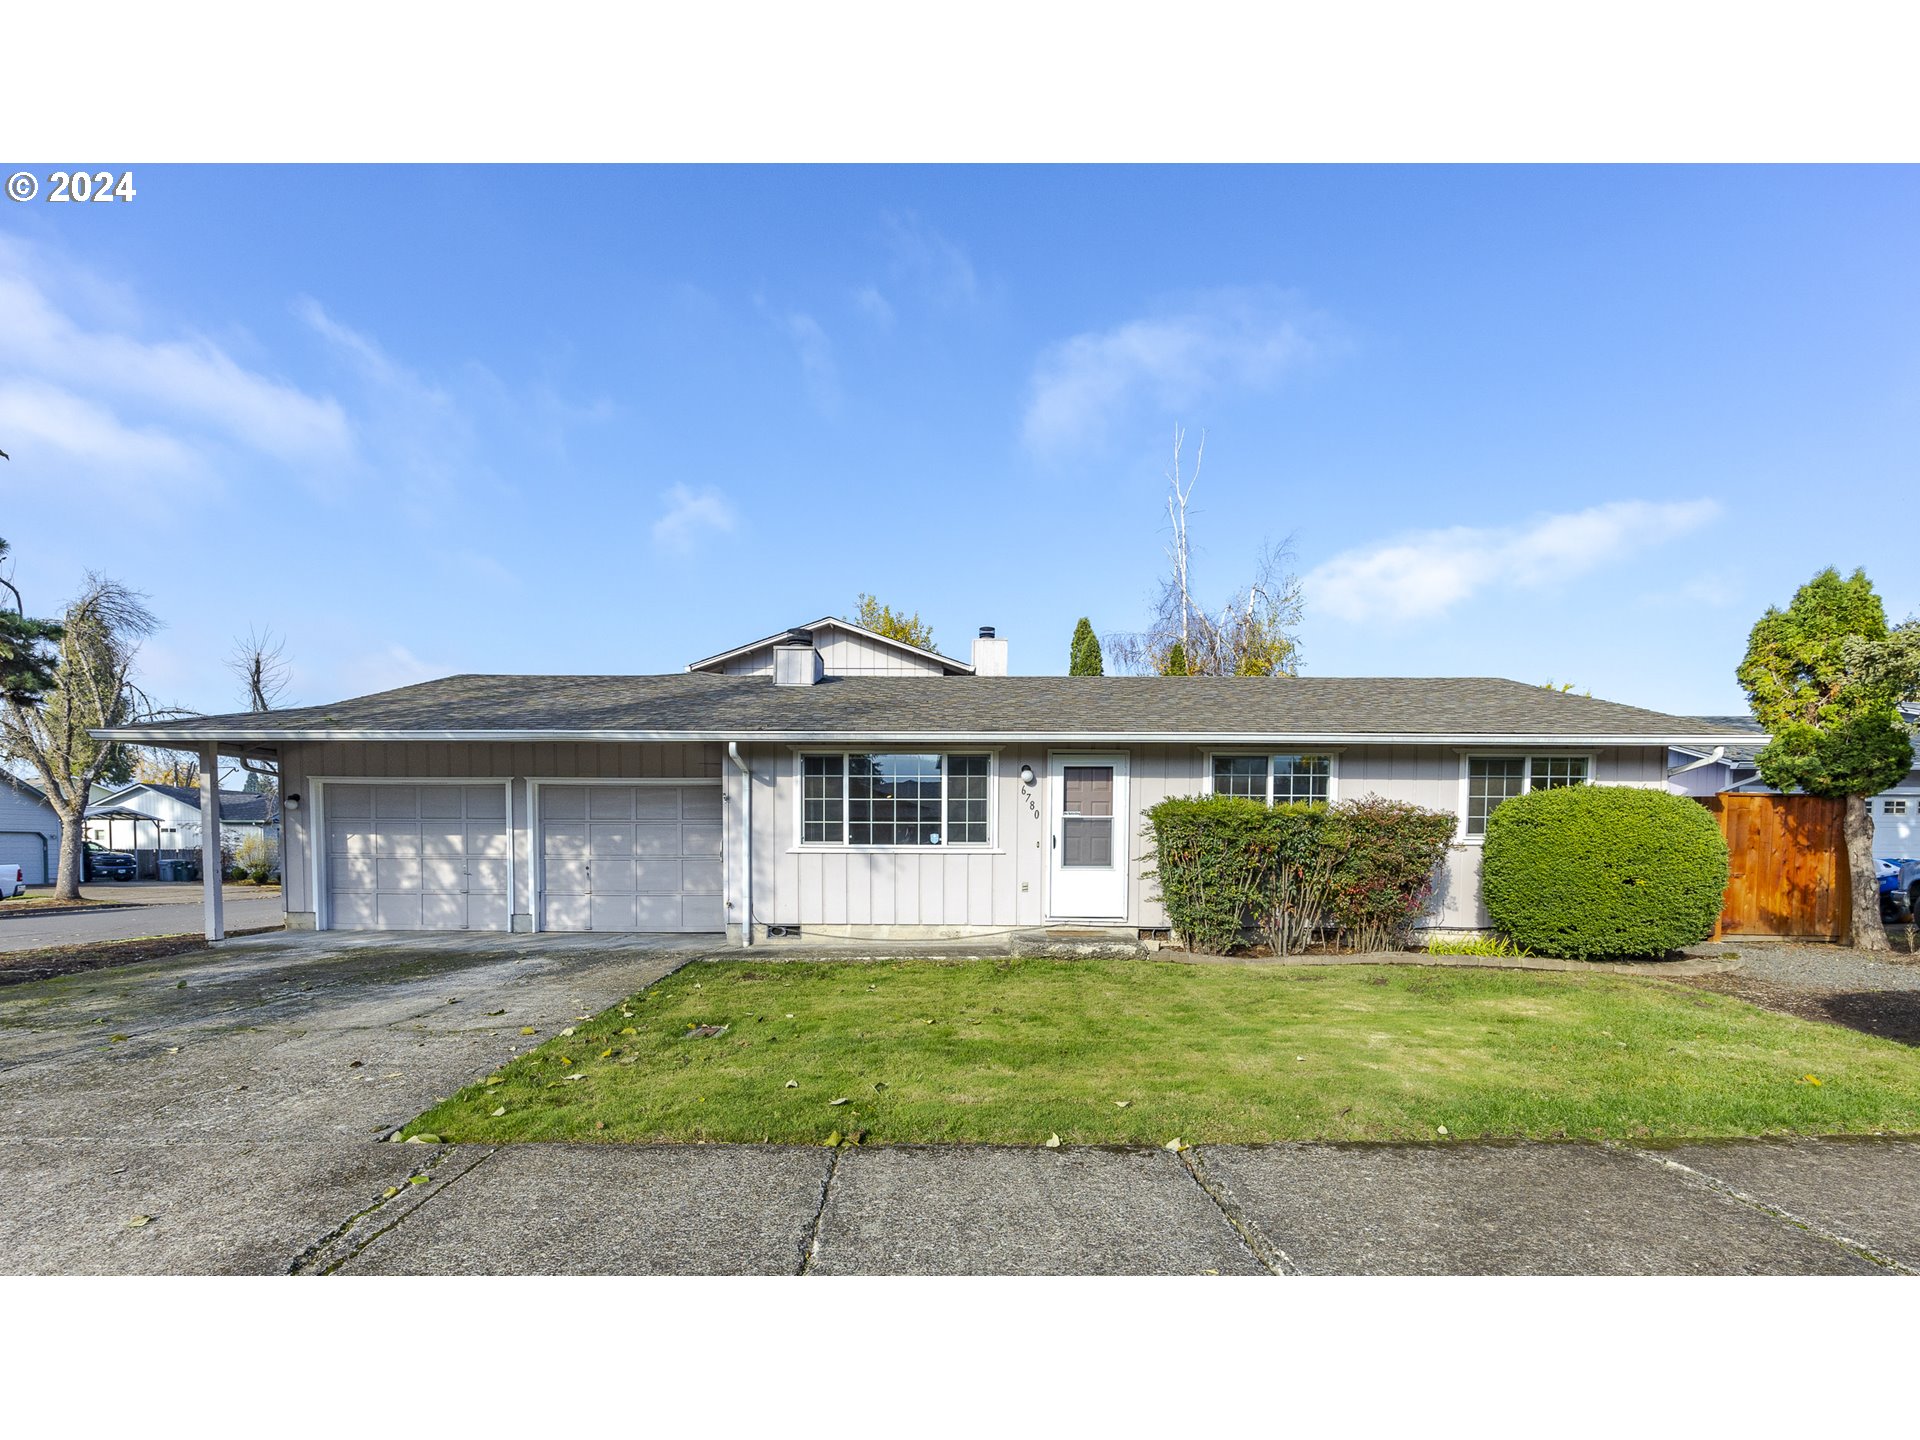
(1253, 633)
(260, 662)
(101, 633)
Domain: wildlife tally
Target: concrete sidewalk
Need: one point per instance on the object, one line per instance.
(231, 1104)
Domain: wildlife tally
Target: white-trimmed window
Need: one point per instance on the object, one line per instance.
(1493, 778)
(1275, 779)
(1893, 807)
(868, 799)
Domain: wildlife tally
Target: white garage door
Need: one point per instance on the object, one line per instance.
(32, 853)
(631, 857)
(417, 857)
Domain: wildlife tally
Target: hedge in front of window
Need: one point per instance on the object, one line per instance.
(1596, 870)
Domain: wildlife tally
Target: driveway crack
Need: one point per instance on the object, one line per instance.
(1265, 1251)
(1754, 1202)
(322, 1258)
(810, 1244)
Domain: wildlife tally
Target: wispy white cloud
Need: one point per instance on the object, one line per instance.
(1244, 339)
(817, 365)
(1423, 574)
(188, 378)
(35, 414)
(876, 307)
(690, 514)
(387, 668)
(934, 265)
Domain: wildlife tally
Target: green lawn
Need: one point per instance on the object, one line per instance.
(1015, 1051)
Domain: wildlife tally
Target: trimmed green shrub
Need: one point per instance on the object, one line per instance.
(1230, 867)
(1385, 854)
(1582, 871)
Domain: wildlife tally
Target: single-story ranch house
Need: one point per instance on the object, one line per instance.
(834, 781)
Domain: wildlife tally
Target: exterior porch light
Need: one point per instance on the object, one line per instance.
(1026, 775)
(292, 802)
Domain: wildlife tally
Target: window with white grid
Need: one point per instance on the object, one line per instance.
(888, 799)
(1275, 779)
(1493, 778)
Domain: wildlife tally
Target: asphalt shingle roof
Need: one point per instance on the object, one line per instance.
(237, 807)
(1023, 705)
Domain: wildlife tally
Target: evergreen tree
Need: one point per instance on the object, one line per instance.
(1825, 677)
(1176, 662)
(1085, 656)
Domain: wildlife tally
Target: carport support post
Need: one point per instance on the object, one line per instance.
(212, 873)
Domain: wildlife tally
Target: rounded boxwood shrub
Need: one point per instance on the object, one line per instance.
(1585, 871)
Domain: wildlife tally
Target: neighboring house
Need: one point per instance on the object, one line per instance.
(837, 782)
(1702, 770)
(29, 830)
(151, 820)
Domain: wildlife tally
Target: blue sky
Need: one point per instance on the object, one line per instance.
(1577, 424)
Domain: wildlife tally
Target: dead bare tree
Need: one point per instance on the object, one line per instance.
(1253, 633)
(259, 660)
(102, 630)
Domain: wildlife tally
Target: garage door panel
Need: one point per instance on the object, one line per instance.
(391, 838)
(443, 912)
(492, 844)
(568, 876)
(609, 802)
(344, 841)
(615, 912)
(614, 877)
(354, 912)
(627, 857)
(398, 912)
(610, 841)
(656, 839)
(402, 876)
(658, 803)
(487, 876)
(350, 802)
(442, 802)
(658, 912)
(443, 872)
(487, 912)
(563, 838)
(396, 802)
(356, 873)
(441, 837)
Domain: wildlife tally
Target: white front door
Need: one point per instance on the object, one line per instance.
(1087, 864)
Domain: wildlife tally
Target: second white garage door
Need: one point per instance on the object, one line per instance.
(631, 857)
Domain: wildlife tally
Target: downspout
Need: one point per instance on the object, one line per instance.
(1719, 753)
(746, 844)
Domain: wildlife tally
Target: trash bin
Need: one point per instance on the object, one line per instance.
(169, 869)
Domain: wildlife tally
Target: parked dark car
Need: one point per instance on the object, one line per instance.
(1899, 891)
(107, 865)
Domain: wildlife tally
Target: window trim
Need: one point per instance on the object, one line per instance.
(1461, 835)
(1331, 753)
(801, 845)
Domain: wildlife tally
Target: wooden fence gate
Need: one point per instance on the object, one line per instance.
(1788, 871)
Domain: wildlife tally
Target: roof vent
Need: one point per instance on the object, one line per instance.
(795, 661)
(986, 632)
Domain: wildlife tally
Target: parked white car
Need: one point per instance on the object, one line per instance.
(13, 881)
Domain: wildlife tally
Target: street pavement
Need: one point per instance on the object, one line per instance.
(143, 908)
(237, 1128)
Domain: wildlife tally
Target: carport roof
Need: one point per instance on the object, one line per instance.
(1322, 709)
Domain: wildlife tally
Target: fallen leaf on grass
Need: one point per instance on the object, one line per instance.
(1176, 1145)
(629, 1030)
(606, 1054)
(496, 1080)
(841, 1101)
(1441, 1129)
(423, 1140)
(1123, 1104)
(498, 1113)
(793, 1085)
(833, 1139)
(566, 1032)
(1809, 1079)
(1052, 1142)
(570, 1078)
(701, 1032)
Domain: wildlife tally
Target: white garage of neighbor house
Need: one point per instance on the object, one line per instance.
(29, 830)
(836, 782)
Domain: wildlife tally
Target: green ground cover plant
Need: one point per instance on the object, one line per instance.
(1126, 1051)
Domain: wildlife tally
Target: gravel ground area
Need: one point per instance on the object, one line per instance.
(1830, 983)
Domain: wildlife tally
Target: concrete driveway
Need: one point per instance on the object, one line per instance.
(143, 908)
(242, 1110)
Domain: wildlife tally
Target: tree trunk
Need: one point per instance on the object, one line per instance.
(1867, 931)
(73, 846)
